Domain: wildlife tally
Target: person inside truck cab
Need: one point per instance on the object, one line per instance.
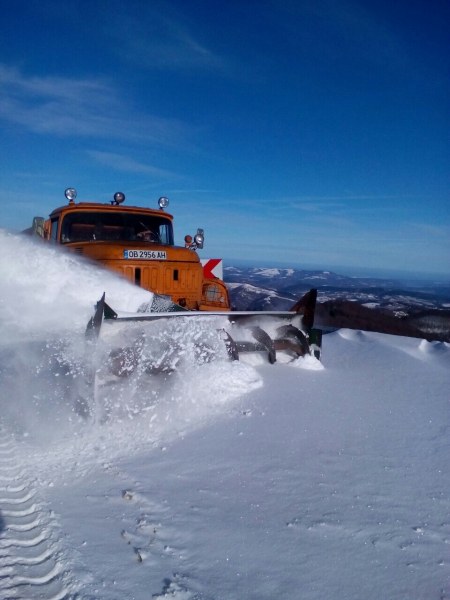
(148, 236)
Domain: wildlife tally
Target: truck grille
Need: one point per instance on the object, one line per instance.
(163, 279)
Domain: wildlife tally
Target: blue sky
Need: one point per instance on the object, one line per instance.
(308, 133)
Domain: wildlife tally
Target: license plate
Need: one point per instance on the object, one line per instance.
(145, 254)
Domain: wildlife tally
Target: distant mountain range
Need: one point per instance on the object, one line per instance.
(413, 308)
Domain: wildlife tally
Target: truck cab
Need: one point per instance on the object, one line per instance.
(137, 243)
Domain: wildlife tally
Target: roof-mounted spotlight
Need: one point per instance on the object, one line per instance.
(70, 194)
(119, 197)
(163, 202)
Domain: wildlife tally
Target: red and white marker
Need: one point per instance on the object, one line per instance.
(212, 267)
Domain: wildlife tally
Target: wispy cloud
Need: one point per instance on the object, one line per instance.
(162, 38)
(430, 232)
(62, 106)
(339, 199)
(121, 162)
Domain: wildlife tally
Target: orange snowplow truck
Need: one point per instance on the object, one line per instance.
(137, 243)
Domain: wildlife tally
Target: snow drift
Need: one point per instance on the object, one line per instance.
(221, 480)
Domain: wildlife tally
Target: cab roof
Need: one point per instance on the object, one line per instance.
(104, 207)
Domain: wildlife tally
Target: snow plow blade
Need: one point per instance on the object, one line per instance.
(290, 332)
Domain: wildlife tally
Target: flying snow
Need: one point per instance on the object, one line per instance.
(55, 376)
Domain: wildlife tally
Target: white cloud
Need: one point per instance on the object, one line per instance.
(430, 231)
(162, 38)
(121, 162)
(78, 107)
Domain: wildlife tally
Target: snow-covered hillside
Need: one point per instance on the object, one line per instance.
(249, 286)
(222, 480)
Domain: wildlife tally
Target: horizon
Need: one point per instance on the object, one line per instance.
(357, 272)
(303, 129)
(361, 271)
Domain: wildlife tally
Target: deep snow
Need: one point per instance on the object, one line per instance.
(221, 480)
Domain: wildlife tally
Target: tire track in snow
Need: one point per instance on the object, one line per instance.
(31, 565)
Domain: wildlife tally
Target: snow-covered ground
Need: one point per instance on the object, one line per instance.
(219, 481)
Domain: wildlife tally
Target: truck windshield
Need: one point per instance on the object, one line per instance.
(116, 226)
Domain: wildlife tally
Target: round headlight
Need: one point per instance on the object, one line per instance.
(119, 197)
(163, 202)
(70, 194)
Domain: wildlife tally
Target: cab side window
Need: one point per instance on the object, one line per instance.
(54, 230)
